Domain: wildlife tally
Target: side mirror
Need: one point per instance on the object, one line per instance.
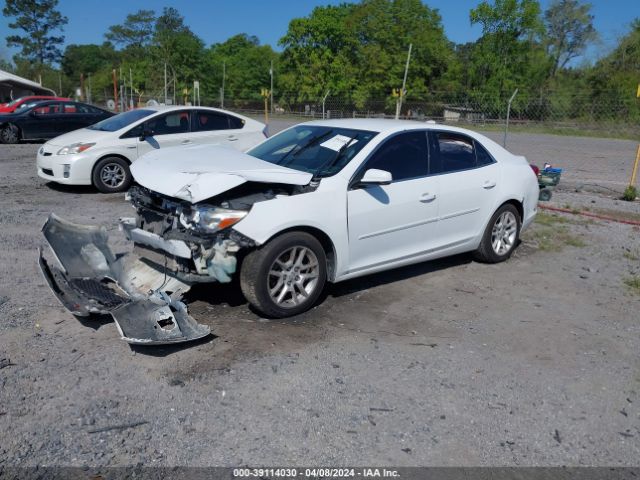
(373, 176)
(146, 132)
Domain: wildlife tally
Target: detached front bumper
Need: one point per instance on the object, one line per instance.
(143, 301)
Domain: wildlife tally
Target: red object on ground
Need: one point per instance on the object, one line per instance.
(587, 214)
(14, 104)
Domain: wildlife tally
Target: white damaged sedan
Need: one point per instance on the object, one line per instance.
(321, 201)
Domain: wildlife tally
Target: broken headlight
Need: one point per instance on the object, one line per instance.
(211, 219)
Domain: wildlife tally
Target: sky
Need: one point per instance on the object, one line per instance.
(214, 20)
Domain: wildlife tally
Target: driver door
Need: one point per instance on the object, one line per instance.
(389, 223)
(169, 130)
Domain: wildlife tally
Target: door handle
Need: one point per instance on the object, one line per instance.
(232, 138)
(427, 197)
(185, 142)
(488, 184)
(132, 146)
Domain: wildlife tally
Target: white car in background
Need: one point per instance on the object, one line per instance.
(323, 201)
(101, 154)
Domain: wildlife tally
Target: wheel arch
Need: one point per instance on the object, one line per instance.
(107, 155)
(516, 203)
(323, 238)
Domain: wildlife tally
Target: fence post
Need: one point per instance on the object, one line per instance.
(324, 99)
(506, 126)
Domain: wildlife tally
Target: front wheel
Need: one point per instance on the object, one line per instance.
(112, 175)
(286, 276)
(501, 235)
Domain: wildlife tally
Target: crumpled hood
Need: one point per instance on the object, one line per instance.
(202, 171)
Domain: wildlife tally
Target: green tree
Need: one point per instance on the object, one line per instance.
(87, 59)
(509, 54)
(569, 30)
(247, 66)
(39, 20)
(136, 32)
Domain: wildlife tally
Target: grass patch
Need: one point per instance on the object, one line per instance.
(552, 236)
(630, 256)
(633, 282)
(543, 218)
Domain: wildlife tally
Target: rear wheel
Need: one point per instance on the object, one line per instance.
(10, 134)
(286, 276)
(111, 175)
(501, 235)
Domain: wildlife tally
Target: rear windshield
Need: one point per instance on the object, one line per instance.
(121, 120)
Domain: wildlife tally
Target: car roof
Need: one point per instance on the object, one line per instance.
(169, 108)
(384, 125)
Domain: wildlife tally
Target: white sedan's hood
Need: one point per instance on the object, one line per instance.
(203, 171)
(83, 135)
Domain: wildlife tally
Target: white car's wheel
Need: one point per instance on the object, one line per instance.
(501, 235)
(286, 276)
(111, 175)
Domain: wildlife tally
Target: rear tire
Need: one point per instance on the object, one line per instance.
(10, 134)
(286, 276)
(501, 235)
(111, 174)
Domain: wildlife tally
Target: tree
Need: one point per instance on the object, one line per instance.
(38, 19)
(509, 53)
(136, 31)
(569, 30)
(87, 59)
(247, 67)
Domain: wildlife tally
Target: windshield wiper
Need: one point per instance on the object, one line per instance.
(332, 161)
(310, 143)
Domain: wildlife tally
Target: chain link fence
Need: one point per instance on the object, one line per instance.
(596, 148)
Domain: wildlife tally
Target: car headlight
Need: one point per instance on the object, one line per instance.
(75, 148)
(211, 219)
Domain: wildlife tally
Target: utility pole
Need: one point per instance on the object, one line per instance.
(403, 92)
(271, 73)
(115, 90)
(506, 125)
(264, 93)
(165, 83)
(131, 103)
(60, 83)
(224, 73)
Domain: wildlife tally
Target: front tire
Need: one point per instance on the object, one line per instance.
(111, 175)
(286, 276)
(10, 134)
(501, 235)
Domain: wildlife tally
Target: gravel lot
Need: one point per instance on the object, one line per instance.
(530, 362)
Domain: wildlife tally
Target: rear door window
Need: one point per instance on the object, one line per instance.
(451, 152)
(206, 121)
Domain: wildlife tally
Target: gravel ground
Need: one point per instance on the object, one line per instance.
(529, 362)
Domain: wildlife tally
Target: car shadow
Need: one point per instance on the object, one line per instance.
(355, 285)
(84, 189)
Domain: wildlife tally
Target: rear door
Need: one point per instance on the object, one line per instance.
(468, 178)
(168, 130)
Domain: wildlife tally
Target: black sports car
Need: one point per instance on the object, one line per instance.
(48, 119)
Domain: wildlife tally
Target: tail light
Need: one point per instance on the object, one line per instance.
(535, 169)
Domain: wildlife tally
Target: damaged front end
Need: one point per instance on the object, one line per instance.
(143, 301)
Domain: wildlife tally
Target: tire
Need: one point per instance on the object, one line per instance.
(271, 284)
(111, 174)
(545, 195)
(501, 235)
(10, 134)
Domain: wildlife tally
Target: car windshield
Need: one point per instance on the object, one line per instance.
(321, 150)
(13, 102)
(121, 120)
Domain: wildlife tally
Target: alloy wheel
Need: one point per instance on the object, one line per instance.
(112, 175)
(504, 232)
(293, 277)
